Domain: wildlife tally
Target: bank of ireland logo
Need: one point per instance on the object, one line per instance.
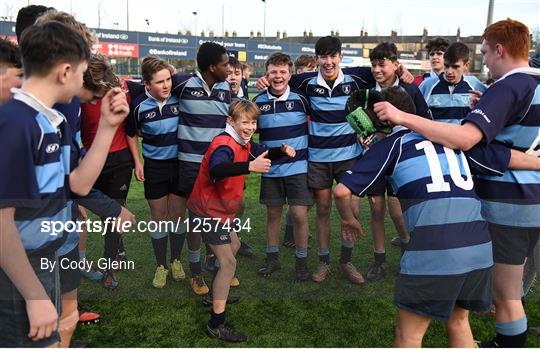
(265, 107)
(221, 96)
(346, 89)
(289, 105)
(175, 110)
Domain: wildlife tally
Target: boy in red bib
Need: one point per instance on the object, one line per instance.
(216, 198)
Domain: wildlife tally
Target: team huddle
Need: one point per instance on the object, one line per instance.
(455, 161)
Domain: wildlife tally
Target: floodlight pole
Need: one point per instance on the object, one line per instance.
(490, 12)
(264, 21)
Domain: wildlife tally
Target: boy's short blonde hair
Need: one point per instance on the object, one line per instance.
(244, 107)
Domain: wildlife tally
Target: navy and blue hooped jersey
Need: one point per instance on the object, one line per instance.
(331, 138)
(158, 124)
(441, 209)
(283, 120)
(509, 113)
(447, 102)
(203, 114)
(34, 169)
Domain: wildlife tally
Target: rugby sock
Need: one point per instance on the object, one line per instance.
(511, 334)
(177, 243)
(300, 252)
(194, 262)
(272, 252)
(216, 319)
(160, 251)
(300, 255)
(380, 257)
(346, 251)
(324, 255)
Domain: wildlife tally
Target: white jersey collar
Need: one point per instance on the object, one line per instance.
(232, 132)
(322, 82)
(54, 116)
(283, 97)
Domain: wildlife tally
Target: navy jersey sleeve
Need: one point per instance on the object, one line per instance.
(178, 82)
(72, 113)
(373, 165)
(132, 122)
(298, 80)
(257, 149)
(504, 103)
(99, 203)
(360, 74)
(18, 140)
(222, 164)
(488, 159)
(304, 100)
(220, 155)
(135, 89)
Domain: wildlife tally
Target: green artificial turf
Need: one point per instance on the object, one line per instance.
(273, 311)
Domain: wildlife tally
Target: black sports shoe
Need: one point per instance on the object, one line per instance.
(269, 266)
(226, 333)
(245, 250)
(376, 272)
(302, 272)
(208, 299)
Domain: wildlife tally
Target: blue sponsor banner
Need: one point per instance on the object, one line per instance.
(7, 28)
(229, 44)
(153, 39)
(259, 57)
(356, 52)
(267, 46)
(107, 35)
(302, 49)
(168, 52)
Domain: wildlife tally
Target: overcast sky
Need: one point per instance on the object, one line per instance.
(378, 17)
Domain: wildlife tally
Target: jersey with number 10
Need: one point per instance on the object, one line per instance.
(436, 190)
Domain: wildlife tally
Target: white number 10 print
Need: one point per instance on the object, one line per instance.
(438, 183)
